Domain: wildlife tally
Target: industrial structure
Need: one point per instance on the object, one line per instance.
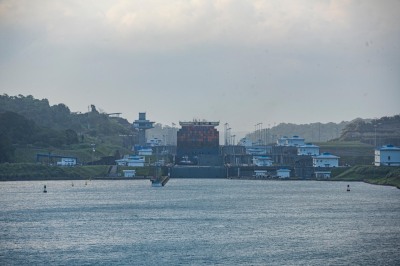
(142, 124)
(199, 154)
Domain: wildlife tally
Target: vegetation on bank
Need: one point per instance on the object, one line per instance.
(27, 171)
(377, 132)
(382, 175)
(31, 171)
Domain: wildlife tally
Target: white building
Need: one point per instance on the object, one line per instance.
(137, 161)
(388, 155)
(283, 173)
(308, 149)
(281, 141)
(325, 160)
(145, 152)
(129, 173)
(294, 141)
(67, 162)
(262, 161)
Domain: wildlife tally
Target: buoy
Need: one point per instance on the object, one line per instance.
(44, 189)
(72, 183)
(348, 187)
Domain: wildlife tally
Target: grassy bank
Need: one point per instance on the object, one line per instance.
(371, 174)
(31, 171)
(350, 152)
(28, 171)
(82, 151)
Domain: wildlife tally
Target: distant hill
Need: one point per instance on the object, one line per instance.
(377, 132)
(26, 122)
(385, 130)
(59, 117)
(314, 132)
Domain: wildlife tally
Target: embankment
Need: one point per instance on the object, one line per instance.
(27, 171)
(382, 175)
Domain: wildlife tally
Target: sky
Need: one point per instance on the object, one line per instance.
(237, 62)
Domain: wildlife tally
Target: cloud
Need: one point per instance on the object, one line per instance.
(176, 24)
(180, 23)
(235, 57)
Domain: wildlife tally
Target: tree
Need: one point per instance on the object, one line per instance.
(71, 137)
(6, 149)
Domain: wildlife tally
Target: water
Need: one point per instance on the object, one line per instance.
(199, 222)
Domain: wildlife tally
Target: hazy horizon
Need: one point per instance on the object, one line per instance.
(237, 62)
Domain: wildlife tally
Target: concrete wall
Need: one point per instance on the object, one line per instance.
(198, 172)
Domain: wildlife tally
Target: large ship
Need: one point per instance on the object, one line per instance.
(196, 139)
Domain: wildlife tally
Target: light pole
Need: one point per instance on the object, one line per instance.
(226, 133)
(173, 135)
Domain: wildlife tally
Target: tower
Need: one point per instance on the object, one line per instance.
(142, 124)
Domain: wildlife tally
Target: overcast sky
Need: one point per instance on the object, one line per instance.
(241, 62)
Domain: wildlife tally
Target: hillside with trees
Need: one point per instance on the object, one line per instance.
(30, 124)
(377, 132)
(314, 132)
(59, 117)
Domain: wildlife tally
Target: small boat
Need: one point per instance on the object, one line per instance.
(159, 181)
(44, 189)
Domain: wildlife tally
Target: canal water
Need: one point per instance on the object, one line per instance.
(199, 222)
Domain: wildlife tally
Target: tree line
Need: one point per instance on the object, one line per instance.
(25, 120)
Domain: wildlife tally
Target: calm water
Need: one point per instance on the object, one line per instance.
(199, 221)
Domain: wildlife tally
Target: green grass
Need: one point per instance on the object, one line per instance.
(350, 152)
(83, 151)
(29, 171)
(140, 171)
(349, 144)
(380, 175)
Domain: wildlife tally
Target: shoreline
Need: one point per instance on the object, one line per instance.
(108, 178)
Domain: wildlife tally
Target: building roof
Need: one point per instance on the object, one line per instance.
(296, 137)
(308, 145)
(388, 148)
(326, 155)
